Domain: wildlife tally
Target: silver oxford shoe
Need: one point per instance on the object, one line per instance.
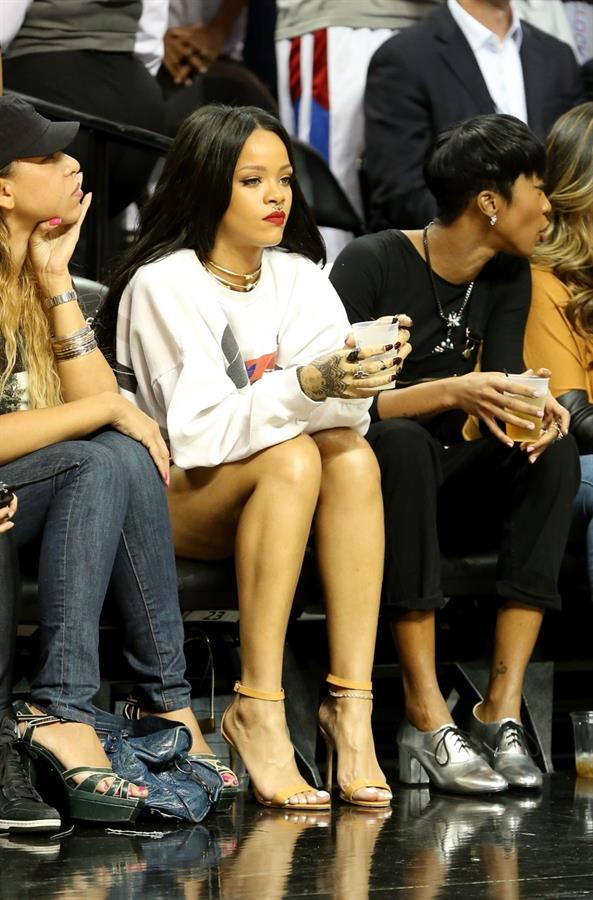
(447, 758)
(506, 748)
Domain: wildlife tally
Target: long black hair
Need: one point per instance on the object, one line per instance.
(193, 194)
(487, 152)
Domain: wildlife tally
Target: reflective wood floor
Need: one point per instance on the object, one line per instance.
(504, 847)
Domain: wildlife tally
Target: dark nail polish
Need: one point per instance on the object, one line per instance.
(397, 345)
(388, 347)
(353, 356)
(397, 360)
(393, 377)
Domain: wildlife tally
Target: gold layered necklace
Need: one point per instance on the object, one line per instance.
(248, 282)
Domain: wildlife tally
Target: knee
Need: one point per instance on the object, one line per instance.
(296, 463)
(347, 457)
(587, 474)
(130, 456)
(561, 465)
(402, 444)
(104, 465)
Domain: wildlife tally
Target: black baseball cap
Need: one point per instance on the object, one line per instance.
(24, 132)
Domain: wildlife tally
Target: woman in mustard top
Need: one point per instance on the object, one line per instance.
(560, 324)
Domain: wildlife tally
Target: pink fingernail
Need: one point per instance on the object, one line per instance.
(55, 221)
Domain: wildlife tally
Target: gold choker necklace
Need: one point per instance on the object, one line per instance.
(250, 279)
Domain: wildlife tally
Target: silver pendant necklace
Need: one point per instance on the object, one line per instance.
(453, 319)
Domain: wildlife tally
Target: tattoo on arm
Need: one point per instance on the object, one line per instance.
(323, 378)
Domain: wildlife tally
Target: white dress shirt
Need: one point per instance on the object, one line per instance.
(499, 60)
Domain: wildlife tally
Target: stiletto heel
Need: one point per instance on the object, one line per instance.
(281, 797)
(84, 801)
(228, 791)
(355, 690)
(329, 766)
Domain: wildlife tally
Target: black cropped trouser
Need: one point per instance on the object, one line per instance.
(472, 496)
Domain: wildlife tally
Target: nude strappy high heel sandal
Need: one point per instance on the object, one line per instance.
(281, 797)
(355, 690)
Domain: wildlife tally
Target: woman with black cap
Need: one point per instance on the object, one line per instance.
(79, 456)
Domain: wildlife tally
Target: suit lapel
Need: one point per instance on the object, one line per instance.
(534, 67)
(458, 56)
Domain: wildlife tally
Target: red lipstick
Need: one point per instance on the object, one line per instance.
(276, 218)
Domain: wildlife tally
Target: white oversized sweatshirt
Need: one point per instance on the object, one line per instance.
(217, 368)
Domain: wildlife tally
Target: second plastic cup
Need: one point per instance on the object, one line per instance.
(582, 723)
(377, 334)
(515, 432)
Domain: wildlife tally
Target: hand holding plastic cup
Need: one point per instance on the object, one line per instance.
(539, 384)
(377, 334)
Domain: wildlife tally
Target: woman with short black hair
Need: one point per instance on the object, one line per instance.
(464, 281)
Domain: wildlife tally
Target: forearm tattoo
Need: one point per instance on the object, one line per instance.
(323, 378)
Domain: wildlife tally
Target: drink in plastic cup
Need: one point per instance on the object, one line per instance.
(541, 386)
(377, 334)
(582, 723)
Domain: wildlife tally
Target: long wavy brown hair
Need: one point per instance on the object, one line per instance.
(567, 248)
(24, 326)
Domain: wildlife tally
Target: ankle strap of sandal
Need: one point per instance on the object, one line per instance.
(240, 688)
(350, 685)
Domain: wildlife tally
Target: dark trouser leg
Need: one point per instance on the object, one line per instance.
(525, 509)
(410, 477)
(8, 618)
(411, 474)
(492, 496)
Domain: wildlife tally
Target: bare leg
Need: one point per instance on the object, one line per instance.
(350, 547)
(413, 633)
(261, 509)
(517, 628)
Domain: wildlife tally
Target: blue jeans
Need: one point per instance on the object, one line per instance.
(582, 517)
(99, 509)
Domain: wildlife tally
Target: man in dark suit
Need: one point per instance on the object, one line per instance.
(469, 57)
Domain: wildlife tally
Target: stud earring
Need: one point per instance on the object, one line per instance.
(493, 220)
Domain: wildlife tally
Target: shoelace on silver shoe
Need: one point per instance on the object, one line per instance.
(515, 735)
(462, 739)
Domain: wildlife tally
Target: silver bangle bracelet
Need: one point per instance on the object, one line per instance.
(82, 332)
(57, 299)
(74, 353)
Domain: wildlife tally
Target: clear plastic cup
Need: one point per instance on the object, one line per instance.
(535, 382)
(377, 334)
(582, 723)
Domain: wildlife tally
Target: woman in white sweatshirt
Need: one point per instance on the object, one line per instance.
(233, 338)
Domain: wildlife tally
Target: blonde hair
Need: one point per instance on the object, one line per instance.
(24, 327)
(567, 248)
